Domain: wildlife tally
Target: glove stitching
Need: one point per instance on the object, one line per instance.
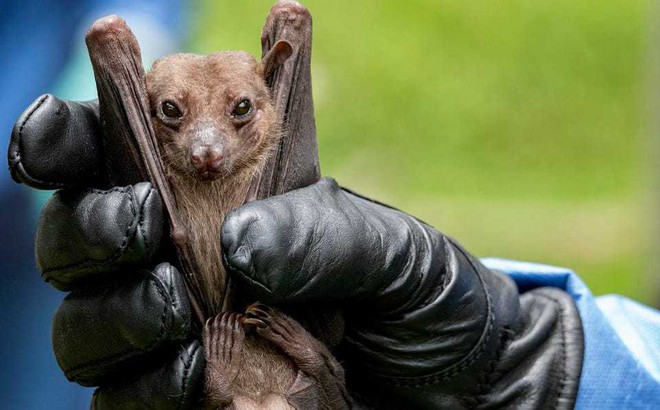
(147, 242)
(242, 275)
(131, 351)
(16, 156)
(488, 379)
(562, 381)
(467, 360)
(107, 191)
(186, 374)
(170, 286)
(74, 268)
(176, 303)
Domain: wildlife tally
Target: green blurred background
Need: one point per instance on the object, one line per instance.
(518, 127)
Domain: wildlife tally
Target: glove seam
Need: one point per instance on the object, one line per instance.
(186, 374)
(176, 303)
(48, 274)
(132, 350)
(487, 385)
(562, 381)
(463, 363)
(15, 161)
(142, 212)
(170, 286)
(243, 275)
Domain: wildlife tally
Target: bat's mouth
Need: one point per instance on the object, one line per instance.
(207, 175)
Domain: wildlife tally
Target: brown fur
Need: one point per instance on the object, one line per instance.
(206, 91)
(264, 359)
(207, 88)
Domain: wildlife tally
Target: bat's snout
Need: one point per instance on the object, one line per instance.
(207, 159)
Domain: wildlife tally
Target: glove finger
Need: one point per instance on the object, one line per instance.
(56, 144)
(315, 244)
(175, 384)
(86, 235)
(99, 331)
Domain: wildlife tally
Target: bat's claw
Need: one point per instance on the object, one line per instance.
(259, 311)
(258, 323)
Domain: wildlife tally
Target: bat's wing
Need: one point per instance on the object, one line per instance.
(304, 394)
(296, 163)
(309, 393)
(130, 146)
(131, 150)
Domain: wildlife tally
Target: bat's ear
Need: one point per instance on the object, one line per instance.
(275, 57)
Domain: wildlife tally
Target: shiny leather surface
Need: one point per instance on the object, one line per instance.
(56, 144)
(423, 316)
(86, 235)
(121, 325)
(427, 325)
(97, 330)
(175, 384)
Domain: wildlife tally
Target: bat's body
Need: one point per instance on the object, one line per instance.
(204, 136)
(278, 366)
(216, 126)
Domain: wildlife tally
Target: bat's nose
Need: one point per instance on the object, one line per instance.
(207, 158)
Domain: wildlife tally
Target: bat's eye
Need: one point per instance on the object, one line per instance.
(241, 108)
(170, 110)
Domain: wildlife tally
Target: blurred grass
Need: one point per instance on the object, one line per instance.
(517, 127)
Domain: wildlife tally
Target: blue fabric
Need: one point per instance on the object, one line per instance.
(622, 339)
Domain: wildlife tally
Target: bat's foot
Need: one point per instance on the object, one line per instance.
(223, 343)
(310, 355)
(288, 335)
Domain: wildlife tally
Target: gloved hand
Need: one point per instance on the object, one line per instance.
(423, 317)
(125, 325)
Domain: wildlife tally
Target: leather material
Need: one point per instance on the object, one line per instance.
(426, 318)
(174, 384)
(544, 355)
(321, 233)
(44, 138)
(537, 365)
(121, 326)
(100, 331)
(89, 234)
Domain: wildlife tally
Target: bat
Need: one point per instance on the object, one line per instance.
(132, 154)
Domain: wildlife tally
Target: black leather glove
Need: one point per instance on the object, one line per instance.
(125, 325)
(423, 317)
(427, 325)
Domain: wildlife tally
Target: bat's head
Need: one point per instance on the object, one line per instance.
(213, 115)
